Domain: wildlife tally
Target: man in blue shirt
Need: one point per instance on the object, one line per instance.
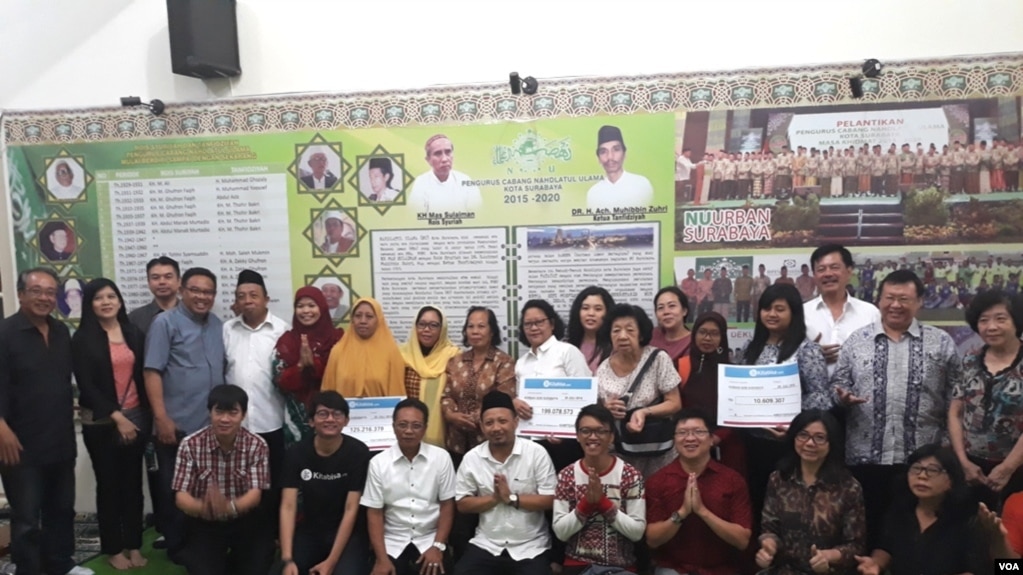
(184, 361)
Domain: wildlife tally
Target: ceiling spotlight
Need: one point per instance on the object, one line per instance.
(529, 85)
(515, 82)
(872, 68)
(155, 106)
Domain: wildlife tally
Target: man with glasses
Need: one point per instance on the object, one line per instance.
(894, 378)
(832, 316)
(510, 483)
(324, 475)
(184, 361)
(410, 499)
(37, 431)
(698, 511)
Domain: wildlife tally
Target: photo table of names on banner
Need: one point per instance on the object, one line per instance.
(200, 217)
(451, 268)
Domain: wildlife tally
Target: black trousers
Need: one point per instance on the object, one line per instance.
(170, 519)
(270, 502)
(742, 309)
(119, 500)
(42, 501)
(241, 546)
(476, 561)
(878, 483)
(762, 456)
(992, 499)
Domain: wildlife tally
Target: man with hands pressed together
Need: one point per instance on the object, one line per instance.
(509, 482)
(410, 498)
(219, 478)
(698, 511)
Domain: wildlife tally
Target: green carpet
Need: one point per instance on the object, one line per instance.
(158, 562)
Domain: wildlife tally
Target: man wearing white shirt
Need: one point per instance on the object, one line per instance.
(340, 232)
(249, 341)
(510, 483)
(65, 187)
(410, 498)
(834, 315)
(442, 189)
(684, 167)
(618, 189)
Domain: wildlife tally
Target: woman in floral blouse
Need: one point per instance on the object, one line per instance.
(985, 419)
(779, 336)
(813, 520)
(471, 375)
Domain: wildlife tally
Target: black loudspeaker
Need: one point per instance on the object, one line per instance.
(856, 87)
(203, 38)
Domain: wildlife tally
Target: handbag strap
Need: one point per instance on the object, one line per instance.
(643, 370)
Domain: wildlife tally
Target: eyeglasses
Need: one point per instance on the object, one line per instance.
(323, 414)
(697, 433)
(425, 325)
(708, 334)
(414, 426)
(40, 293)
(594, 432)
(925, 470)
(198, 292)
(818, 438)
(534, 324)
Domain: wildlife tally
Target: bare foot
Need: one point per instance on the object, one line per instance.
(137, 560)
(120, 562)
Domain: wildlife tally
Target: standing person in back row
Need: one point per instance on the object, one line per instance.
(37, 431)
(249, 342)
(834, 315)
(184, 361)
(895, 378)
(163, 276)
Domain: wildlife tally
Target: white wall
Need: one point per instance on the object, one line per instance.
(72, 53)
(79, 53)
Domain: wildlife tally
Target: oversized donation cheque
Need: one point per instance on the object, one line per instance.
(758, 395)
(555, 401)
(370, 421)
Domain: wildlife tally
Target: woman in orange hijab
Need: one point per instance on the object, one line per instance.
(367, 362)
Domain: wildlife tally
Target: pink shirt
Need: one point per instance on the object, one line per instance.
(123, 360)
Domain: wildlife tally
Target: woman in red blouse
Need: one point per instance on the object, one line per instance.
(300, 357)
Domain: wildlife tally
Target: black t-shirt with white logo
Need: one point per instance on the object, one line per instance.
(323, 483)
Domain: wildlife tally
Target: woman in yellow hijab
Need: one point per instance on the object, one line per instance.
(366, 362)
(426, 354)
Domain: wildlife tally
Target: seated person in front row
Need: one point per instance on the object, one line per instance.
(219, 477)
(410, 498)
(328, 471)
(934, 525)
(599, 509)
(698, 511)
(509, 482)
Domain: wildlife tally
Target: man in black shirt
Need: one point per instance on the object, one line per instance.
(328, 472)
(164, 278)
(37, 431)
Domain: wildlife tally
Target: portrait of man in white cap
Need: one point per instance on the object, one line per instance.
(336, 296)
(339, 231)
(319, 159)
(381, 181)
(65, 180)
(443, 189)
(618, 189)
(72, 301)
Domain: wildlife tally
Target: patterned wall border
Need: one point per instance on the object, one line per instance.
(914, 80)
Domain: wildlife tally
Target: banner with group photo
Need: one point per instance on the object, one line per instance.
(473, 196)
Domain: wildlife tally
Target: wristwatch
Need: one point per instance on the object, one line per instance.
(676, 518)
(513, 500)
(440, 546)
